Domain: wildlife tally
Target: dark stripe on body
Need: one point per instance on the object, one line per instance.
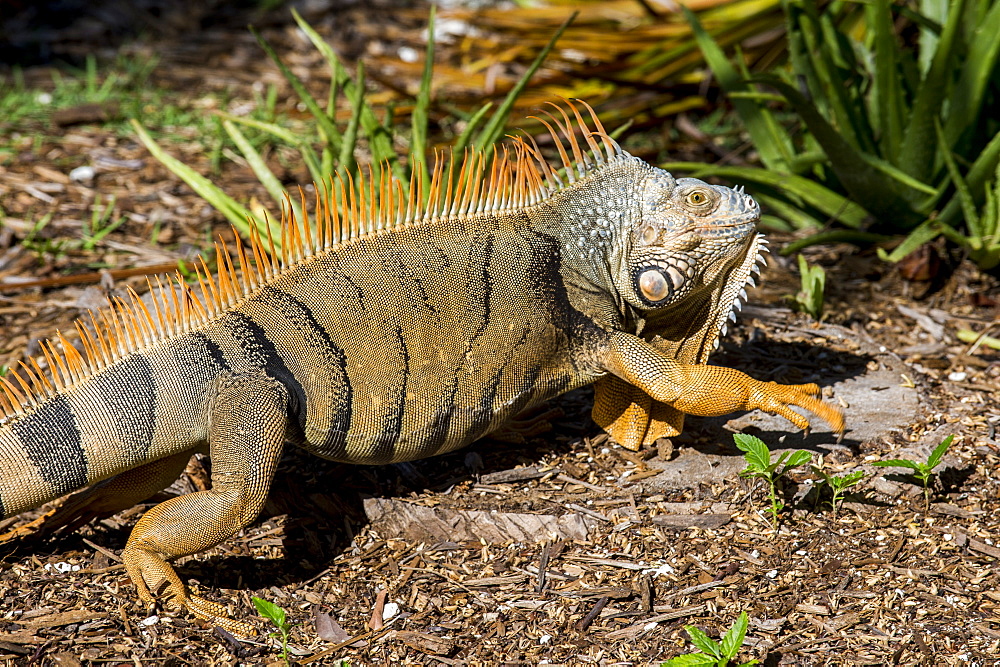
(319, 347)
(260, 352)
(213, 350)
(129, 397)
(51, 438)
(477, 285)
(384, 444)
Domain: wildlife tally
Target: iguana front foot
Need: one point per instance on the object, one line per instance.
(697, 389)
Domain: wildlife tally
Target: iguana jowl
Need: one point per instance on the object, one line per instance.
(395, 328)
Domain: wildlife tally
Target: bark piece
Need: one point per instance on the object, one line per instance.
(398, 518)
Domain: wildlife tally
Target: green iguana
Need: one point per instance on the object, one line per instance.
(394, 328)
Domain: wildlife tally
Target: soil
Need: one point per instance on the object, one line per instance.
(597, 555)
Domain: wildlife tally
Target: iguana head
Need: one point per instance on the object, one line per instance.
(692, 249)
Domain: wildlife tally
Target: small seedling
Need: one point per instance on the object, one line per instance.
(809, 300)
(760, 466)
(838, 484)
(922, 471)
(714, 653)
(276, 615)
(100, 224)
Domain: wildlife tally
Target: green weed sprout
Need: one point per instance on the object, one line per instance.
(276, 615)
(714, 653)
(809, 300)
(922, 471)
(760, 466)
(838, 484)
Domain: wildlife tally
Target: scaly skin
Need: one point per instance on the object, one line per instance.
(392, 333)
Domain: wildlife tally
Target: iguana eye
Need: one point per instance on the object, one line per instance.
(697, 198)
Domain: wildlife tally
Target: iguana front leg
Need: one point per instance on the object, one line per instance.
(630, 416)
(706, 390)
(246, 436)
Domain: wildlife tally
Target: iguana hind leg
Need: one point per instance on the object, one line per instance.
(247, 433)
(711, 390)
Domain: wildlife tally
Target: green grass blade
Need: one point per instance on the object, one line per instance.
(345, 160)
(419, 118)
(491, 132)
(323, 121)
(313, 164)
(379, 140)
(219, 200)
(260, 168)
(471, 125)
(770, 140)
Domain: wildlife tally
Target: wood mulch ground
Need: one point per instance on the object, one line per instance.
(884, 581)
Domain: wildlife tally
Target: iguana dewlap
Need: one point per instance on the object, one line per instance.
(394, 328)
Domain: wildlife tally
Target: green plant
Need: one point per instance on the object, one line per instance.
(760, 466)
(839, 484)
(809, 300)
(279, 619)
(326, 149)
(898, 138)
(921, 471)
(100, 223)
(714, 653)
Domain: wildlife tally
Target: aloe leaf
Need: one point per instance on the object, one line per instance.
(917, 153)
(977, 178)
(834, 236)
(924, 233)
(768, 137)
(865, 184)
(962, 192)
(966, 101)
(888, 101)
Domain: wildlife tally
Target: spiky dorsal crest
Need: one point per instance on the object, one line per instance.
(346, 209)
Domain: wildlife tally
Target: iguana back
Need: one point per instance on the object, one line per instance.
(395, 327)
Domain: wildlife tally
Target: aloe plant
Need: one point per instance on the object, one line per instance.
(896, 139)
